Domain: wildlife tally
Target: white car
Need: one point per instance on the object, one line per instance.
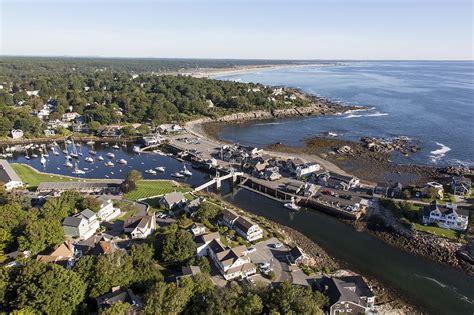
(264, 265)
(277, 245)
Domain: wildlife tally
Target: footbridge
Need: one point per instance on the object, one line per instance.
(218, 180)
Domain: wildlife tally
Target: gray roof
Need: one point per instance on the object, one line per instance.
(350, 288)
(123, 295)
(87, 213)
(174, 197)
(7, 173)
(243, 224)
(228, 215)
(72, 221)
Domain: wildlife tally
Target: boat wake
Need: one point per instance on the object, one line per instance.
(376, 114)
(438, 154)
(451, 288)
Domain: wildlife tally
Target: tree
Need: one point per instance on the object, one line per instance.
(111, 270)
(130, 183)
(41, 234)
(287, 299)
(46, 288)
(207, 212)
(146, 270)
(178, 247)
(117, 308)
(168, 298)
(91, 203)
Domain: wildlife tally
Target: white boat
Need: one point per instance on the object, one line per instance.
(115, 146)
(90, 142)
(43, 161)
(27, 156)
(68, 164)
(186, 172)
(34, 155)
(109, 163)
(92, 152)
(160, 168)
(89, 159)
(122, 161)
(292, 205)
(53, 149)
(78, 171)
(74, 151)
(100, 158)
(136, 149)
(151, 171)
(68, 141)
(111, 155)
(177, 175)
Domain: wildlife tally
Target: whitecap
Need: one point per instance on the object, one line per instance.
(438, 154)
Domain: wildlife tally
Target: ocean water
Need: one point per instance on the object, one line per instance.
(430, 102)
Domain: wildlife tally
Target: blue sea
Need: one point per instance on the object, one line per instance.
(431, 102)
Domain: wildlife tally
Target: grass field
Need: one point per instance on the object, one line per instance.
(32, 178)
(437, 231)
(149, 188)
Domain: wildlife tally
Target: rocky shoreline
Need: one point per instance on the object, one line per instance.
(438, 249)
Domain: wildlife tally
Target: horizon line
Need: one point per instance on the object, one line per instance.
(216, 58)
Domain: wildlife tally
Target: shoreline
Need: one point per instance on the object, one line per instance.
(211, 73)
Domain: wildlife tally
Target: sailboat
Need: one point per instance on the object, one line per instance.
(74, 151)
(115, 146)
(54, 151)
(100, 158)
(68, 164)
(43, 160)
(78, 171)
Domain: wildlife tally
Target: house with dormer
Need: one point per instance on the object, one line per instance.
(232, 263)
(140, 227)
(249, 230)
(107, 210)
(446, 216)
(82, 225)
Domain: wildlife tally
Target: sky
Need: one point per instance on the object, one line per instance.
(250, 29)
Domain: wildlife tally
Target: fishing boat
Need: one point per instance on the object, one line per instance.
(160, 168)
(136, 149)
(292, 205)
(122, 161)
(89, 159)
(78, 171)
(100, 158)
(186, 172)
(109, 164)
(110, 155)
(151, 171)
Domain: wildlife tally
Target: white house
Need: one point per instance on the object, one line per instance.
(448, 217)
(203, 241)
(169, 128)
(16, 133)
(173, 200)
(437, 187)
(232, 263)
(248, 229)
(70, 116)
(82, 225)
(140, 226)
(306, 169)
(197, 229)
(8, 176)
(227, 218)
(107, 210)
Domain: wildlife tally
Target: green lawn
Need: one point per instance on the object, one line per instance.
(33, 178)
(149, 188)
(437, 231)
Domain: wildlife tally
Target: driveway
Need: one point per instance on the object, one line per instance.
(265, 253)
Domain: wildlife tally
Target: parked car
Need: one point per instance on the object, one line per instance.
(264, 265)
(251, 250)
(277, 245)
